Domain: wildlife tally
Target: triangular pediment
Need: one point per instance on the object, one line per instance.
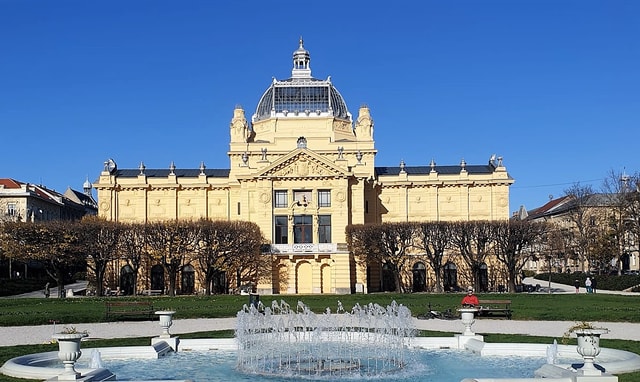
(302, 163)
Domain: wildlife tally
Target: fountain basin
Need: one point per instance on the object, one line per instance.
(46, 365)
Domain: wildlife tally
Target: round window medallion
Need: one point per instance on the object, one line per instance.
(265, 197)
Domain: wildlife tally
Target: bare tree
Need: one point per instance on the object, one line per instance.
(230, 248)
(511, 240)
(54, 243)
(387, 243)
(473, 240)
(624, 197)
(556, 245)
(133, 248)
(99, 239)
(433, 239)
(170, 243)
(581, 215)
(249, 262)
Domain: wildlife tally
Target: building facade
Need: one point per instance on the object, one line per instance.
(20, 201)
(303, 169)
(27, 202)
(581, 229)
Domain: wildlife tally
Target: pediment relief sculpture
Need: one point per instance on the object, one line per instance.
(302, 166)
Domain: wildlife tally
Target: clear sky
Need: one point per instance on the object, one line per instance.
(552, 86)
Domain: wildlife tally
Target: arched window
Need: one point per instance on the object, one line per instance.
(219, 283)
(419, 277)
(157, 278)
(388, 278)
(188, 281)
(483, 278)
(126, 280)
(450, 279)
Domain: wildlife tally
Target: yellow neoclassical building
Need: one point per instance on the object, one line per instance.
(303, 169)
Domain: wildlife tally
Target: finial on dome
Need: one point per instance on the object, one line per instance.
(301, 59)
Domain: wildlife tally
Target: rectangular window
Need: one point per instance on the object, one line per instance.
(302, 229)
(302, 197)
(280, 199)
(11, 209)
(281, 229)
(324, 198)
(324, 228)
(238, 208)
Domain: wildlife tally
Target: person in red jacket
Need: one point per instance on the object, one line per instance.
(470, 299)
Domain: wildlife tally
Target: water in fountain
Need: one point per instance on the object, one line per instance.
(96, 359)
(552, 353)
(369, 340)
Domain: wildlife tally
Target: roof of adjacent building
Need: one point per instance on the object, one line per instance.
(568, 202)
(81, 198)
(10, 183)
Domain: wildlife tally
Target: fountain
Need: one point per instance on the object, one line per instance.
(369, 340)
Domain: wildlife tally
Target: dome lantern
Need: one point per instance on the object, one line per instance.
(301, 95)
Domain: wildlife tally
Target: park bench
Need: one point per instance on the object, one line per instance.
(152, 292)
(128, 310)
(495, 308)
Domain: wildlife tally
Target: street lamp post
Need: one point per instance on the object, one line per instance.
(549, 274)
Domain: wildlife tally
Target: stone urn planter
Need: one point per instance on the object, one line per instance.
(166, 320)
(69, 352)
(589, 347)
(468, 319)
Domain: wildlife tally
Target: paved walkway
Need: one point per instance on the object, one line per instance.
(22, 335)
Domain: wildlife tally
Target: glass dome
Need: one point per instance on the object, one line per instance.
(301, 95)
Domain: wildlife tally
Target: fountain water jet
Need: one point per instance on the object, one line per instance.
(368, 341)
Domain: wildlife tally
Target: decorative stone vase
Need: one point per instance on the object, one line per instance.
(68, 353)
(166, 320)
(468, 319)
(589, 347)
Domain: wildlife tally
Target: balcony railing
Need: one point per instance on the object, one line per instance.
(304, 248)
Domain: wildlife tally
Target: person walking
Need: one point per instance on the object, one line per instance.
(587, 284)
(577, 285)
(593, 284)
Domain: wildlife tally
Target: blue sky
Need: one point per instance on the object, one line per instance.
(552, 86)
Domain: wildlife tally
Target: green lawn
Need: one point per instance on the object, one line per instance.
(554, 307)
(565, 307)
